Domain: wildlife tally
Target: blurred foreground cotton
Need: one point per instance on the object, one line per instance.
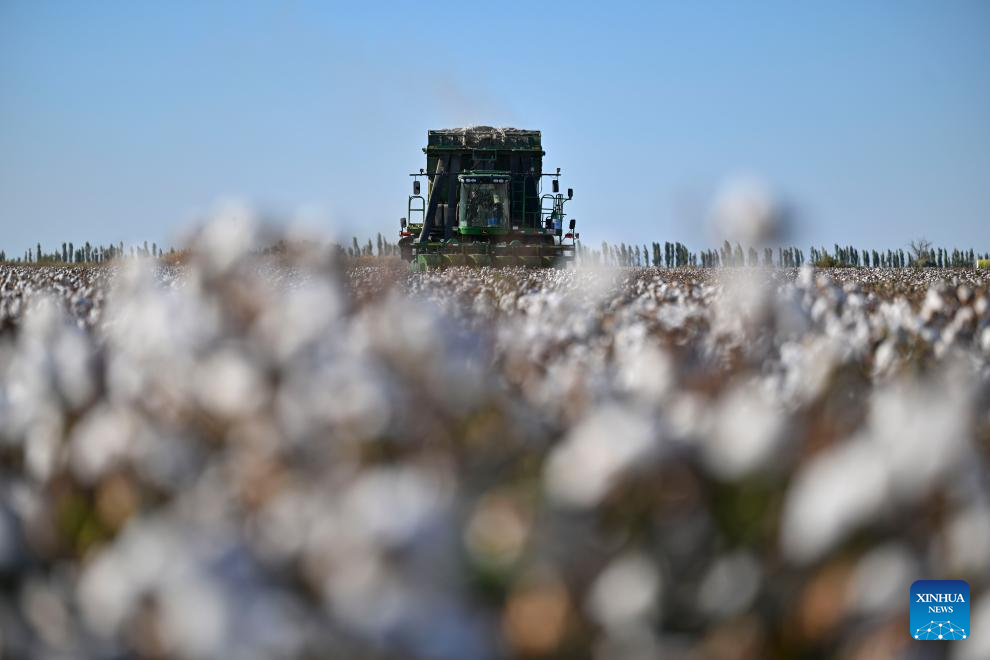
(289, 455)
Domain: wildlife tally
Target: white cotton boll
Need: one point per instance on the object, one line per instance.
(909, 422)
(367, 596)
(100, 441)
(42, 448)
(45, 607)
(808, 367)
(43, 321)
(392, 505)
(582, 469)
(966, 542)
(106, 594)
(159, 558)
(352, 397)
(745, 210)
(646, 371)
(741, 308)
(965, 316)
(976, 647)
(749, 430)
(72, 358)
(302, 316)
(194, 618)
(229, 235)
(228, 384)
(885, 358)
(637, 642)
(400, 329)
(729, 585)
(838, 491)
(881, 579)
(688, 417)
(793, 321)
(820, 309)
(933, 304)
(626, 593)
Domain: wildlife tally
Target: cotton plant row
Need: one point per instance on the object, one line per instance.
(290, 456)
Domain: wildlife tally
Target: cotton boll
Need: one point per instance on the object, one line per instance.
(304, 315)
(905, 420)
(745, 210)
(885, 358)
(965, 546)
(932, 306)
(368, 597)
(976, 647)
(625, 593)
(748, 431)
(43, 444)
(101, 440)
(194, 618)
(881, 579)
(837, 492)
(106, 594)
(46, 610)
(228, 384)
(72, 356)
(231, 233)
(730, 585)
(809, 367)
(646, 372)
(611, 441)
(393, 505)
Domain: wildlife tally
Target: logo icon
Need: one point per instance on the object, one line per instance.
(940, 610)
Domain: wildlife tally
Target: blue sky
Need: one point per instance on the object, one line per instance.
(123, 121)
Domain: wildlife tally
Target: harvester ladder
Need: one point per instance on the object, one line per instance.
(420, 209)
(517, 198)
(553, 212)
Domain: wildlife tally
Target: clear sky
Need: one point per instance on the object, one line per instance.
(123, 120)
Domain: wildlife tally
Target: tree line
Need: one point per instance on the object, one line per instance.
(921, 254)
(87, 253)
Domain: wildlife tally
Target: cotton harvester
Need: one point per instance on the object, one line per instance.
(484, 204)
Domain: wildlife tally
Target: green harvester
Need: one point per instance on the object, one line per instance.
(484, 204)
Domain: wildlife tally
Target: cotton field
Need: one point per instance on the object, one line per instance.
(294, 456)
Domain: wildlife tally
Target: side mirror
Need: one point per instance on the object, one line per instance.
(415, 186)
(556, 186)
(570, 193)
(402, 222)
(573, 222)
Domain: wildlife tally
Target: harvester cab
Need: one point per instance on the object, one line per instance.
(484, 204)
